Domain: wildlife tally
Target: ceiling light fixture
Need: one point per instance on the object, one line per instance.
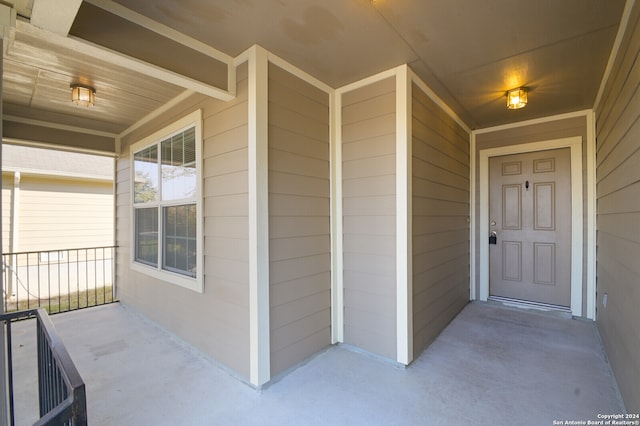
(83, 95)
(517, 98)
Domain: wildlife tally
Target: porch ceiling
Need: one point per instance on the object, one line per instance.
(468, 52)
(39, 68)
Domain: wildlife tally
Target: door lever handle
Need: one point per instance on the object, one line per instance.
(493, 237)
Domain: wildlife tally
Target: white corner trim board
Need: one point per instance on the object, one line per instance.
(404, 255)
(472, 215)
(259, 328)
(337, 228)
(591, 215)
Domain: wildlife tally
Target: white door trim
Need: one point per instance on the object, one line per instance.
(575, 144)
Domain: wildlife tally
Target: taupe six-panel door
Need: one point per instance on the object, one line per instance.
(530, 213)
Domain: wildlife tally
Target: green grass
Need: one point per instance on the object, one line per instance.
(64, 303)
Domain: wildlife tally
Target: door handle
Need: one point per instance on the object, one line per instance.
(493, 237)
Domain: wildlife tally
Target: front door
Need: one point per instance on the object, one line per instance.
(530, 214)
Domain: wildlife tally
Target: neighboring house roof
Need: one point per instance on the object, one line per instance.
(39, 161)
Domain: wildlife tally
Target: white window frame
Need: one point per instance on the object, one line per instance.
(192, 283)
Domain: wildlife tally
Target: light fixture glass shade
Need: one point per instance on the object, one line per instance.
(83, 95)
(517, 98)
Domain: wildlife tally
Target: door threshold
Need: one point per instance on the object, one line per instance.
(527, 304)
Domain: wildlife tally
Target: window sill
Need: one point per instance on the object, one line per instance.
(193, 284)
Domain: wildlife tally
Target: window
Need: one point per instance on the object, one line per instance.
(167, 213)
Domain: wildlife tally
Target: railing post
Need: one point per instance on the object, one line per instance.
(3, 364)
(4, 384)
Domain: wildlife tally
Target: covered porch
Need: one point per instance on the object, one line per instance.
(340, 209)
(492, 365)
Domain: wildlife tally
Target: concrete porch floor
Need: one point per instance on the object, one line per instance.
(491, 366)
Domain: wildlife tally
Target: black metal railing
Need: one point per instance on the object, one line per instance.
(61, 390)
(59, 280)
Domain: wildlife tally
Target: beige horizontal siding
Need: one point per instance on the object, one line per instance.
(618, 215)
(216, 321)
(299, 224)
(64, 214)
(369, 223)
(440, 185)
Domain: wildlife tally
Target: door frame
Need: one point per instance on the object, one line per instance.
(577, 228)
